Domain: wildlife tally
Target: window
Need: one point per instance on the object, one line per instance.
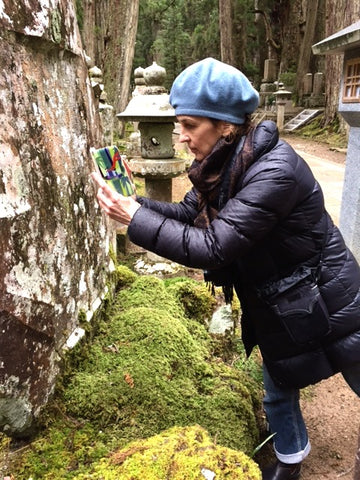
(351, 91)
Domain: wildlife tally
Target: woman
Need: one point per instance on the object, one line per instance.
(255, 222)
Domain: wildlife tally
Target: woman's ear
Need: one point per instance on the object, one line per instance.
(226, 129)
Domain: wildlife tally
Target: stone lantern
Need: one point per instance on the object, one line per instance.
(347, 42)
(282, 98)
(150, 107)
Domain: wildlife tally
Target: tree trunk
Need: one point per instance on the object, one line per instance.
(305, 47)
(225, 27)
(109, 36)
(333, 66)
(240, 38)
(118, 20)
(290, 19)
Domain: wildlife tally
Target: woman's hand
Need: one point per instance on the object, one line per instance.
(119, 208)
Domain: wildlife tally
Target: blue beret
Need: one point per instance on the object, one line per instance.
(213, 89)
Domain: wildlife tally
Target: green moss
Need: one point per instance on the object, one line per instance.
(144, 362)
(123, 276)
(142, 372)
(194, 296)
(330, 134)
(112, 254)
(81, 317)
(83, 322)
(148, 291)
(65, 450)
(148, 361)
(197, 303)
(179, 454)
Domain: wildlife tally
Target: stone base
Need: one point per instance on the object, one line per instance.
(314, 101)
(157, 168)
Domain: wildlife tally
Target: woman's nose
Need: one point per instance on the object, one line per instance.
(183, 137)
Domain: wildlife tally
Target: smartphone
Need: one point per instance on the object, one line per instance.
(114, 169)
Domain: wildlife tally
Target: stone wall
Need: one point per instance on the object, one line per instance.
(54, 241)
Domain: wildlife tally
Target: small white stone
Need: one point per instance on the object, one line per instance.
(208, 474)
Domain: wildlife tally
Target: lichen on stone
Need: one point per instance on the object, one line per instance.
(55, 25)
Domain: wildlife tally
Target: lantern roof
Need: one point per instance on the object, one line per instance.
(339, 42)
(148, 108)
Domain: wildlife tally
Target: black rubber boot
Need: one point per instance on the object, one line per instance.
(282, 471)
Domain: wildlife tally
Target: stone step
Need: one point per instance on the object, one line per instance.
(301, 119)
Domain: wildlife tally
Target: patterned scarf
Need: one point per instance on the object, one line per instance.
(209, 178)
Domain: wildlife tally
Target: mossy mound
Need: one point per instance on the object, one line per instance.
(147, 366)
(176, 454)
(123, 276)
(181, 297)
(194, 297)
(140, 372)
(148, 373)
(147, 291)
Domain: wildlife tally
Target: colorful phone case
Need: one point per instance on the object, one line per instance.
(114, 169)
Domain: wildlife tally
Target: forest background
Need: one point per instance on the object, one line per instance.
(121, 35)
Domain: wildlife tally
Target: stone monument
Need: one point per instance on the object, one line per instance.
(347, 41)
(268, 85)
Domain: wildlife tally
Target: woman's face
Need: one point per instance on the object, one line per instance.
(200, 133)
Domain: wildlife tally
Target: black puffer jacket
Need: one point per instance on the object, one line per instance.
(275, 223)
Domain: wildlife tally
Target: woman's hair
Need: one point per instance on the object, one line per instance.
(236, 130)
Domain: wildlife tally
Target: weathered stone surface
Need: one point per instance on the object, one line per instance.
(53, 240)
(52, 20)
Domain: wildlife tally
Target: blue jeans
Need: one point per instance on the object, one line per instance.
(282, 409)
